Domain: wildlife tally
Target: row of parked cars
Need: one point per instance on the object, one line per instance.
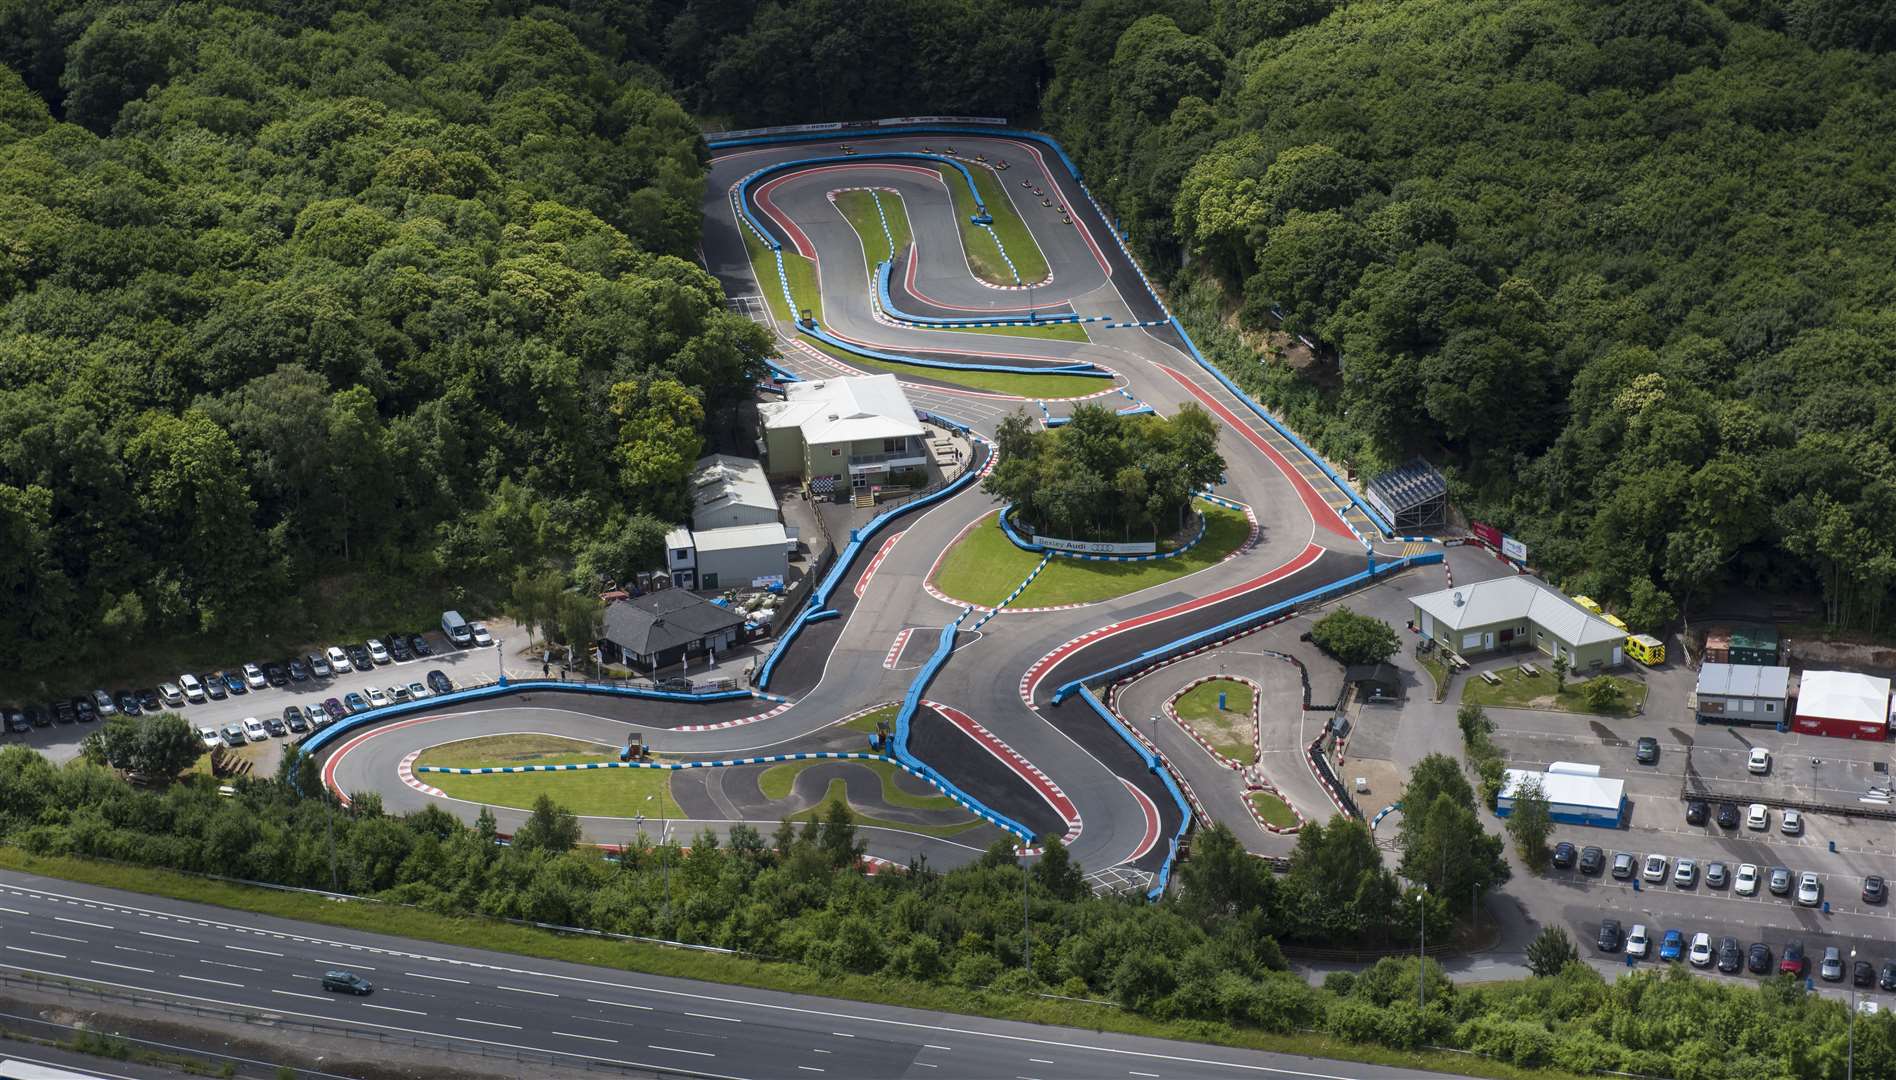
(1757, 817)
(1729, 955)
(189, 688)
(302, 719)
(1685, 872)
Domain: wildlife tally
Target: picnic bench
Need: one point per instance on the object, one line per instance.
(1529, 670)
(1491, 678)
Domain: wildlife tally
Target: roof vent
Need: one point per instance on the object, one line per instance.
(832, 416)
(1458, 600)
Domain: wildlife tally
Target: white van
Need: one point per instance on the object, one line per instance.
(457, 629)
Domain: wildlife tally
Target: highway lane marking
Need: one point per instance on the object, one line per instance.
(126, 967)
(58, 937)
(588, 1038)
(170, 937)
(82, 922)
(522, 990)
(259, 952)
(391, 1008)
(1040, 1061)
(676, 1050)
(36, 952)
(932, 1046)
(619, 1004)
(1136, 1072)
(708, 1016)
(1058, 1044)
(293, 993)
(809, 1068)
(487, 1023)
(215, 982)
(235, 967)
(842, 1034)
(436, 978)
(15, 911)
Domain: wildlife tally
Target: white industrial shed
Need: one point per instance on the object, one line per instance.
(1576, 794)
(1843, 704)
(728, 491)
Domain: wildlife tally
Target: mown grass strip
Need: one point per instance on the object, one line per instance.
(984, 255)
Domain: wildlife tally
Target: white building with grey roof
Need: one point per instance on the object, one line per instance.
(1519, 613)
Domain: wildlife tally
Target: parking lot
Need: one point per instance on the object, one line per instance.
(1840, 850)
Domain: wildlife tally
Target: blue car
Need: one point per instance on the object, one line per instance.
(235, 683)
(354, 702)
(1672, 946)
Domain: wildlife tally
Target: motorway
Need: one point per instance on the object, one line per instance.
(570, 1012)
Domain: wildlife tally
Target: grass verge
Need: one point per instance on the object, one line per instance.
(1273, 809)
(984, 255)
(1522, 691)
(519, 748)
(592, 793)
(984, 566)
(494, 935)
(839, 792)
(867, 721)
(800, 271)
(1227, 730)
(1432, 663)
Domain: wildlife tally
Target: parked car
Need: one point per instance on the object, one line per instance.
(1760, 760)
(1564, 856)
(1758, 958)
(214, 687)
(1700, 952)
(1717, 875)
(1758, 817)
(103, 702)
(128, 703)
(360, 658)
(254, 729)
(420, 645)
(36, 716)
(417, 691)
(1810, 889)
(398, 649)
(1609, 939)
(16, 721)
(355, 702)
(1696, 811)
(208, 736)
(1655, 871)
(293, 719)
(318, 717)
(1730, 956)
(397, 693)
(482, 639)
(333, 709)
(438, 682)
(1862, 974)
(235, 683)
(1638, 945)
(346, 982)
(1646, 750)
(338, 660)
(1780, 883)
(276, 727)
(298, 673)
(149, 700)
(1592, 860)
(62, 712)
(1831, 968)
(274, 674)
(1685, 873)
(1672, 946)
(1624, 865)
(234, 735)
(1794, 961)
(318, 666)
(1875, 890)
(82, 708)
(193, 689)
(378, 652)
(171, 694)
(1727, 815)
(1886, 979)
(254, 676)
(1793, 824)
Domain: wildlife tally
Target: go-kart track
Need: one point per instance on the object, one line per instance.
(1005, 729)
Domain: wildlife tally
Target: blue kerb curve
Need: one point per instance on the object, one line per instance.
(1155, 766)
(885, 270)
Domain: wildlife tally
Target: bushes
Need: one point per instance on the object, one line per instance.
(1476, 731)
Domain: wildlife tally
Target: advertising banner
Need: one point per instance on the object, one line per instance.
(1094, 547)
(1486, 533)
(1513, 549)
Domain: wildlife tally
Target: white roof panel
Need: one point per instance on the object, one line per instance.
(741, 536)
(1568, 789)
(719, 480)
(1514, 599)
(844, 410)
(1844, 695)
(1744, 680)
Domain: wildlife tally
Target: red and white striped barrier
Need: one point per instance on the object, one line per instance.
(1257, 694)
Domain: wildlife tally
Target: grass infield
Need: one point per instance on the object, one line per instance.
(1522, 691)
(592, 793)
(1229, 731)
(1273, 809)
(984, 256)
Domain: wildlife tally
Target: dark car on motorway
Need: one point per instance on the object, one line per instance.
(1758, 959)
(1730, 956)
(1610, 936)
(275, 675)
(1863, 973)
(346, 982)
(438, 682)
(149, 700)
(398, 648)
(1727, 815)
(355, 702)
(334, 709)
(1592, 860)
(1564, 856)
(1793, 962)
(1696, 811)
(82, 708)
(293, 719)
(298, 673)
(419, 645)
(214, 687)
(127, 702)
(1646, 750)
(234, 682)
(1875, 889)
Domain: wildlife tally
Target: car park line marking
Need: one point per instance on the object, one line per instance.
(169, 937)
(676, 1050)
(588, 1038)
(82, 922)
(127, 967)
(260, 952)
(214, 982)
(521, 990)
(391, 1008)
(36, 952)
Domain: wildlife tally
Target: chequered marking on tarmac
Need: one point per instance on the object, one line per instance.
(406, 770)
(778, 711)
(895, 650)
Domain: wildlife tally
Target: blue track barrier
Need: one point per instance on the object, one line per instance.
(1021, 542)
(1242, 622)
(824, 336)
(514, 686)
(1157, 768)
(885, 269)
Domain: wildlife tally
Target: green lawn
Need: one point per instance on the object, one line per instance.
(985, 566)
(837, 792)
(984, 258)
(800, 271)
(1228, 732)
(1041, 387)
(592, 793)
(1273, 809)
(1519, 691)
(777, 781)
(1049, 331)
(514, 749)
(867, 721)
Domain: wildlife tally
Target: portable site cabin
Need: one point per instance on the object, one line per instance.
(1742, 694)
(1576, 794)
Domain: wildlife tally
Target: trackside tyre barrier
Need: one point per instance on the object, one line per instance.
(517, 686)
(817, 607)
(1190, 641)
(1157, 767)
(1087, 556)
(911, 701)
(885, 268)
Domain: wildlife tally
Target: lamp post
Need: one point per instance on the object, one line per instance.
(1422, 950)
(1849, 1061)
(1026, 930)
(500, 659)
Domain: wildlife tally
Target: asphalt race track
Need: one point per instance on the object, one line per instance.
(1034, 754)
(557, 1013)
